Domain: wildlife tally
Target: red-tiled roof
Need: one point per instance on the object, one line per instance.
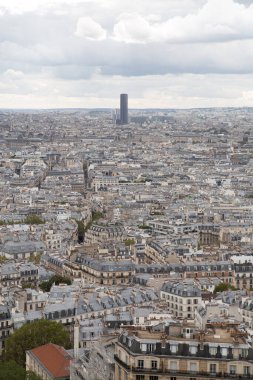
(54, 358)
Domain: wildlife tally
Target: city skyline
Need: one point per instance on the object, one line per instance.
(167, 54)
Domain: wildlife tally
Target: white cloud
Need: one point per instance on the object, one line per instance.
(168, 60)
(165, 91)
(132, 28)
(90, 29)
(11, 74)
(217, 20)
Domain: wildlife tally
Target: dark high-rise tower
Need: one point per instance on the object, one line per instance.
(123, 109)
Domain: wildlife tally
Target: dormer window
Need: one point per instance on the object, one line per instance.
(151, 347)
(224, 351)
(213, 351)
(193, 350)
(143, 347)
(244, 353)
(173, 348)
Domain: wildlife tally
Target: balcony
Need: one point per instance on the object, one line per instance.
(181, 374)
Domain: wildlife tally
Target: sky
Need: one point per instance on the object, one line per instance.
(163, 53)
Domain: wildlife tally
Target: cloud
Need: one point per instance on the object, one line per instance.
(90, 29)
(132, 28)
(216, 21)
(171, 53)
(164, 91)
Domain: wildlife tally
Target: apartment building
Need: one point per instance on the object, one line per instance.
(105, 272)
(179, 353)
(182, 298)
(243, 278)
(102, 233)
(6, 325)
(223, 270)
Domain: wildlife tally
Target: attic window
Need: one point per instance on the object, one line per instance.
(193, 350)
(151, 347)
(143, 347)
(173, 348)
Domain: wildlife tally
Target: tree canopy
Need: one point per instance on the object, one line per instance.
(32, 335)
(129, 242)
(33, 219)
(223, 287)
(12, 371)
(56, 279)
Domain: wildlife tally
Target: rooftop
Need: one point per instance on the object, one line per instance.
(54, 358)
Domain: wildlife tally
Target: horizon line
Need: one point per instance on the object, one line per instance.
(129, 109)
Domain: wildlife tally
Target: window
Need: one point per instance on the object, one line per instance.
(193, 350)
(143, 347)
(154, 364)
(141, 364)
(193, 367)
(173, 378)
(244, 353)
(246, 370)
(153, 377)
(173, 348)
(140, 377)
(213, 351)
(212, 368)
(151, 347)
(173, 365)
(232, 369)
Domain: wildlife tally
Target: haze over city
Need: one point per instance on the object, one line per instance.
(126, 190)
(163, 53)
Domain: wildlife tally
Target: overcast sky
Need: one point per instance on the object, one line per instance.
(163, 53)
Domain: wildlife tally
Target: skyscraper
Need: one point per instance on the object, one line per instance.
(123, 109)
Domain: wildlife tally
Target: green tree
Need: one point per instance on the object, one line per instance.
(35, 258)
(2, 259)
(129, 242)
(80, 227)
(223, 287)
(33, 219)
(144, 227)
(96, 215)
(12, 371)
(55, 279)
(32, 335)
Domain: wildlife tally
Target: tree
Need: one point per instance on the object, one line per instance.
(32, 335)
(144, 227)
(12, 371)
(33, 219)
(96, 215)
(129, 242)
(80, 230)
(223, 287)
(55, 279)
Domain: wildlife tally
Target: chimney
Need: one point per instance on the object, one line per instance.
(76, 339)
